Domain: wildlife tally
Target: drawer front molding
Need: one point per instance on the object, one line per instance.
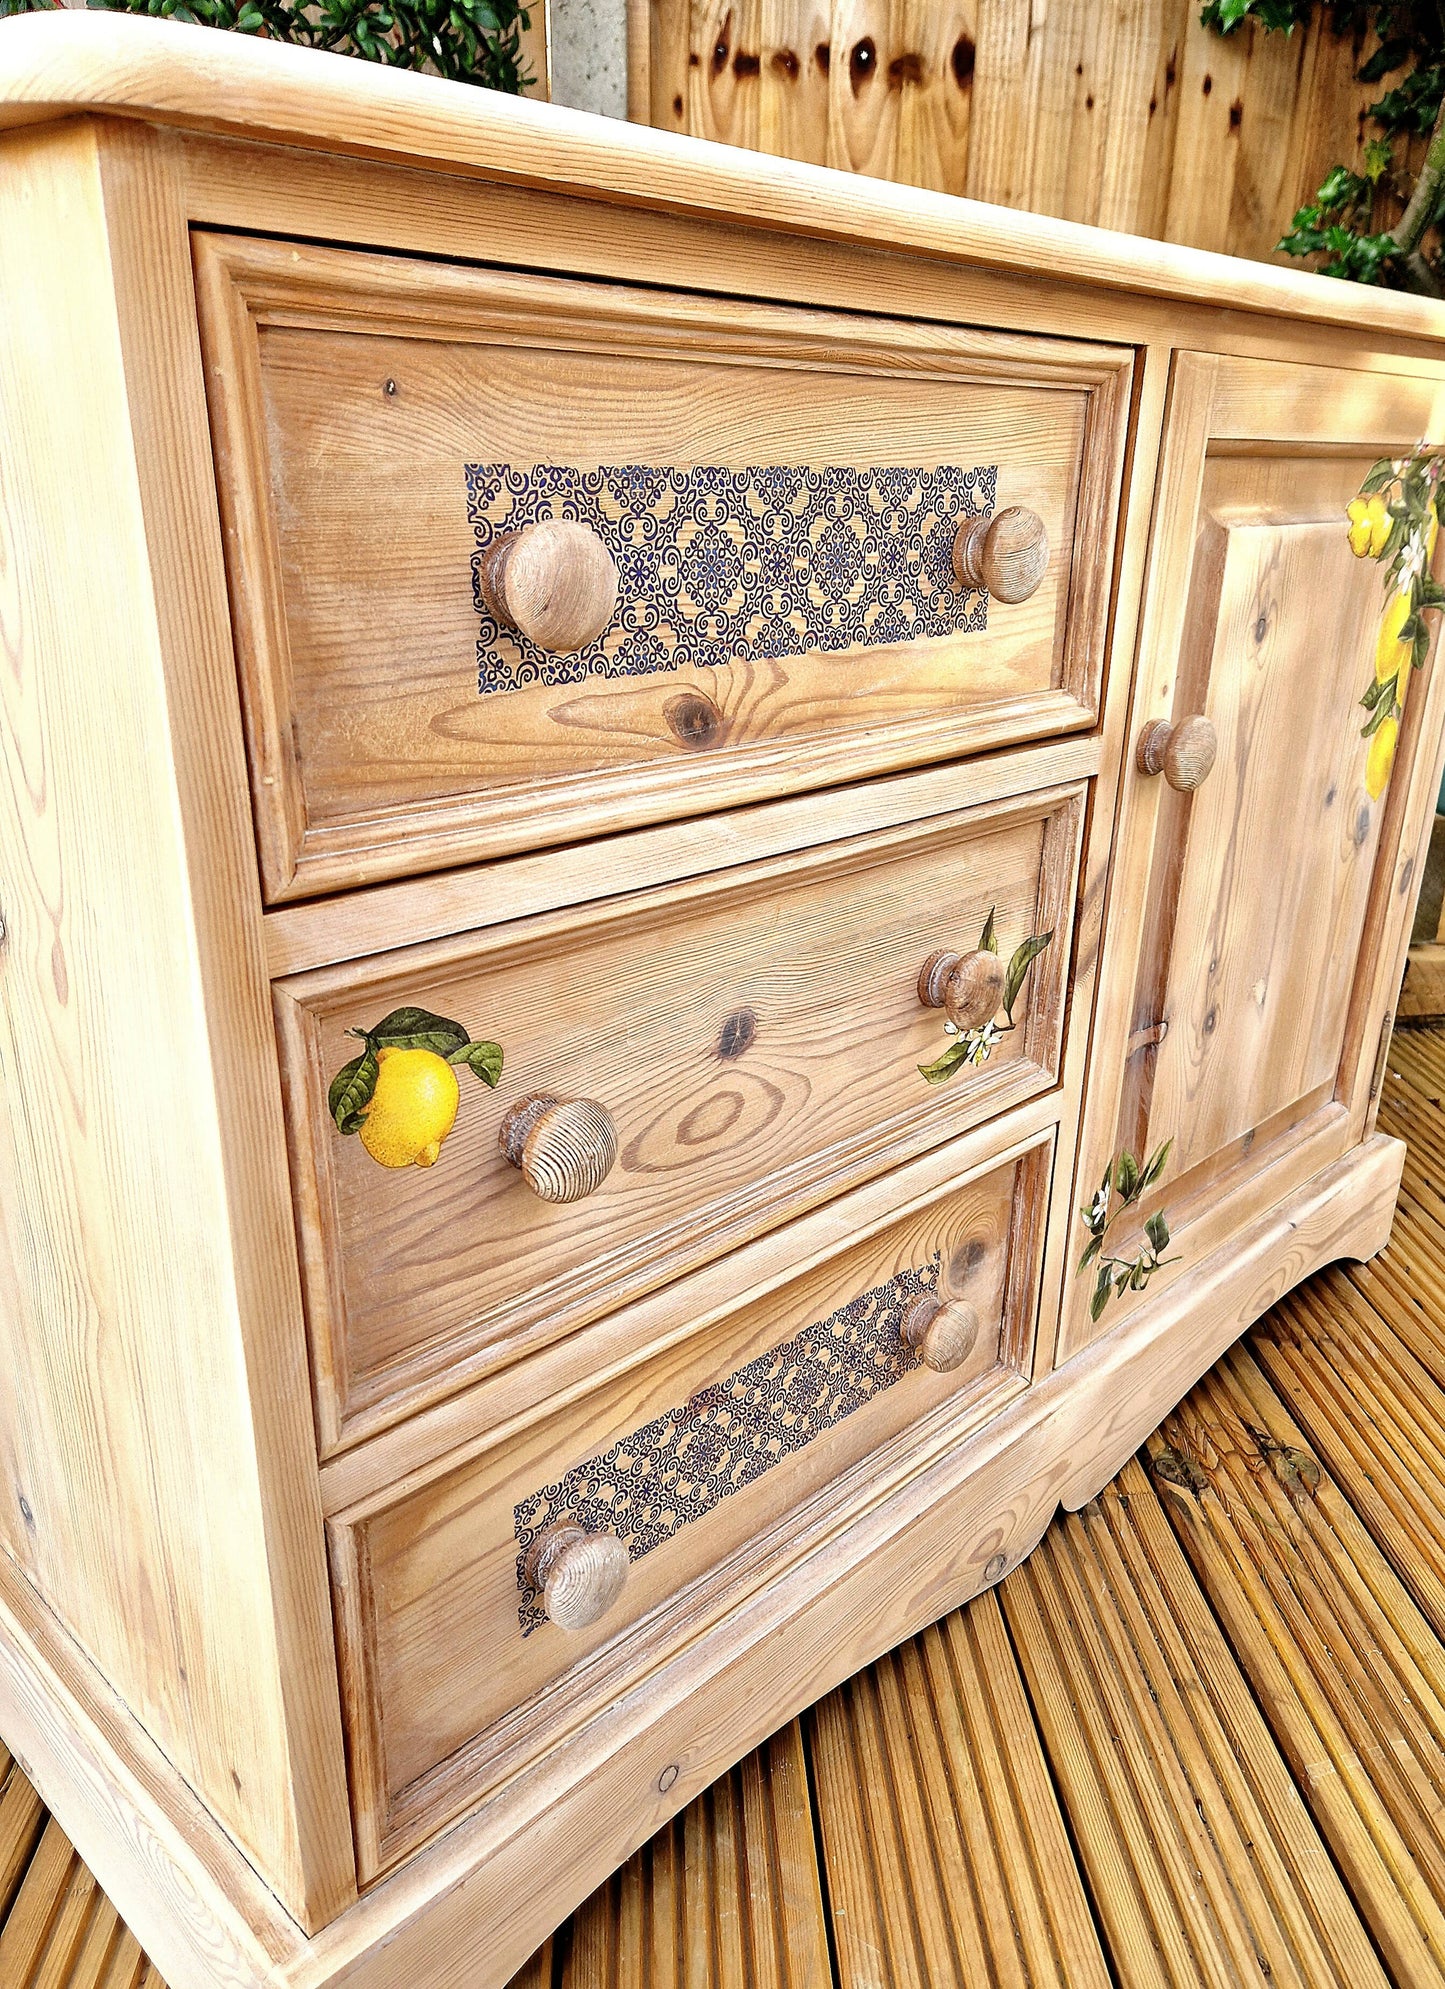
(637, 1507)
(680, 1466)
(670, 670)
(717, 565)
(723, 1054)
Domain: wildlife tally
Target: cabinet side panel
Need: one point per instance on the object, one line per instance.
(143, 1419)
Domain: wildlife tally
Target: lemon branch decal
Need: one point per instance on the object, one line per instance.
(976, 1045)
(1125, 1178)
(401, 1094)
(1395, 520)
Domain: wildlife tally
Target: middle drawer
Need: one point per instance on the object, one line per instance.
(723, 1054)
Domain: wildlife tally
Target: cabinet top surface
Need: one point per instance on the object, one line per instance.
(61, 63)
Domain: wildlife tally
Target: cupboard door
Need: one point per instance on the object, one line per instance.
(1261, 893)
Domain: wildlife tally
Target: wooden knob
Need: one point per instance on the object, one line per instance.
(565, 1147)
(1183, 753)
(578, 1575)
(555, 581)
(968, 986)
(1005, 552)
(941, 1334)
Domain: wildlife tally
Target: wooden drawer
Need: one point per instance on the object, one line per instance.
(754, 1038)
(717, 1462)
(778, 491)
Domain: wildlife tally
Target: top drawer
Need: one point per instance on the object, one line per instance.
(778, 492)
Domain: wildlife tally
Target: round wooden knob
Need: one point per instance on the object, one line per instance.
(578, 1575)
(1183, 753)
(565, 1147)
(1005, 552)
(968, 986)
(941, 1334)
(555, 581)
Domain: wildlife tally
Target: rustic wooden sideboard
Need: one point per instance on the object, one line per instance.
(694, 902)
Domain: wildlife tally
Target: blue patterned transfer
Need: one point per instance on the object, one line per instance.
(718, 565)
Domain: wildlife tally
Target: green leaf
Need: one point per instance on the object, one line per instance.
(418, 1029)
(351, 1092)
(1090, 1254)
(940, 1071)
(1155, 1166)
(1102, 1287)
(989, 942)
(1377, 718)
(1018, 966)
(1382, 474)
(1377, 692)
(1157, 1231)
(483, 1060)
(1126, 1175)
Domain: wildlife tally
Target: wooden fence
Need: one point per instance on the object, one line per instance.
(1125, 113)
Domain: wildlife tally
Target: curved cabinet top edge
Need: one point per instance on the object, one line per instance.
(67, 62)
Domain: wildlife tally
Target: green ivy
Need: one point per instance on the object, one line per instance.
(1336, 230)
(469, 41)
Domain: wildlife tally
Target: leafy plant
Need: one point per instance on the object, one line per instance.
(469, 41)
(354, 1084)
(976, 1046)
(1339, 226)
(1125, 1179)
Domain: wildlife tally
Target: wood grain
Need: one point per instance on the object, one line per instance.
(946, 1855)
(1135, 118)
(432, 1576)
(164, 1510)
(712, 1023)
(1202, 1867)
(64, 61)
(366, 764)
(727, 1893)
(1236, 995)
(1359, 1712)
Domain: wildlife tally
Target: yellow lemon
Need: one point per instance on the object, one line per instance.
(1391, 655)
(1369, 525)
(1381, 758)
(412, 1109)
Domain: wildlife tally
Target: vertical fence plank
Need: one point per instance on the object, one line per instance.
(1005, 85)
(1161, 128)
(724, 66)
(1206, 139)
(793, 85)
(668, 24)
(932, 74)
(1266, 109)
(862, 106)
(1145, 32)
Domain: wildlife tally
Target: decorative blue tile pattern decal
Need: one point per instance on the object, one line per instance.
(718, 565)
(681, 1465)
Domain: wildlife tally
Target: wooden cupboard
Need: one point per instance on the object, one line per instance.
(625, 778)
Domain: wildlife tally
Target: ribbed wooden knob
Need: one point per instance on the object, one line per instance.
(1183, 753)
(555, 581)
(967, 986)
(941, 1334)
(1006, 552)
(578, 1575)
(565, 1147)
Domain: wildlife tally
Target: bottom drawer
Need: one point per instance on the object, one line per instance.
(496, 1603)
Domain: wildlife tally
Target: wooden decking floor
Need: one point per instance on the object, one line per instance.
(1197, 1738)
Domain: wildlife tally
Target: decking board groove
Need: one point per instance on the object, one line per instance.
(1198, 1738)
